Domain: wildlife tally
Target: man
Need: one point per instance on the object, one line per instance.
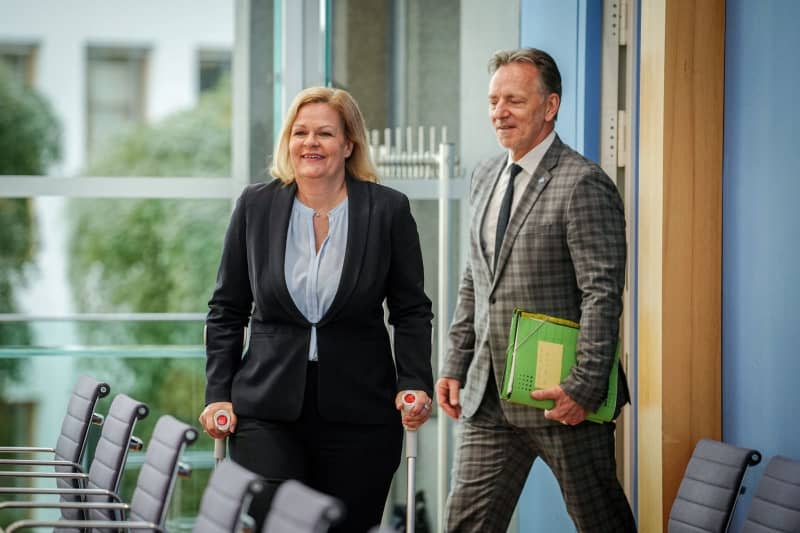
(552, 243)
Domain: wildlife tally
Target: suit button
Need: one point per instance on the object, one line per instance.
(492, 300)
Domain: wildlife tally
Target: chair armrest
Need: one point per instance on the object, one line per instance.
(184, 470)
(135, 444)
(37, 462)
(59, 492)
(64, 505)
(25, 449)
(98, 419)
(62, 475)
(125, 524)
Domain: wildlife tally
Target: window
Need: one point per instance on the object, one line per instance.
(63, 262)
(115, 92)
(19, 58)
(397, 59)
(212, 65)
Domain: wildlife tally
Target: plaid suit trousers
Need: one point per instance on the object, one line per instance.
(494, 458)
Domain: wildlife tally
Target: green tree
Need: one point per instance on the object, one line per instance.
(154, 255)
(29, 142)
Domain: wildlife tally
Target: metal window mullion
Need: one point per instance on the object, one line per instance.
(609, 100)
(117, 187)
(103, 317)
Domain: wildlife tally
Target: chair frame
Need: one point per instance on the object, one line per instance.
(188, 435)
(111, 455)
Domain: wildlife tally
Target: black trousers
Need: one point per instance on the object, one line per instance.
(353, 462)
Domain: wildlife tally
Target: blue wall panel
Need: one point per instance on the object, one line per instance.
(570, 31)
(761, 231)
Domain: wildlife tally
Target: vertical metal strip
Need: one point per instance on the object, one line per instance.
(445, 173)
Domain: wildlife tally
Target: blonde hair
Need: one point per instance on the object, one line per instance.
(359, 164)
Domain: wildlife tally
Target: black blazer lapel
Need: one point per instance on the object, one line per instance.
(277, 221)
(358, 211)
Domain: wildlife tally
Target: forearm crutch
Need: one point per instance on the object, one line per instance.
(409, 400)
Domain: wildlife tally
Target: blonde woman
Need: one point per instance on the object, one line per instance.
(308, 260)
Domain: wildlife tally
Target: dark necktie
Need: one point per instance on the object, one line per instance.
(505, 211)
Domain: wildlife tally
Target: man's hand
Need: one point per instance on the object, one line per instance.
(206, 419)
(447, 391)
(567, 411)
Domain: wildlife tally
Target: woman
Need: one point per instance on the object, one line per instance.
(308, 260)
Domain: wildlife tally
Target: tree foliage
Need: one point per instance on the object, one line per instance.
(29, 142)
(158, 255)
(29, 132)
(154, 255)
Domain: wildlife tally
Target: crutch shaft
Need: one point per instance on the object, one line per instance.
(411, 498)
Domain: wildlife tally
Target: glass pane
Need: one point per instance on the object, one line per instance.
(148, 71)
(115, 92)
(410, 78)
(109, 256)
(213, 66)
(115, 82)
(18, 64)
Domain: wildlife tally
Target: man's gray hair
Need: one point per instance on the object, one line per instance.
(549, 76)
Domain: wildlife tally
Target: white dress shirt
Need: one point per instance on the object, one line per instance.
(312, 277)
(529, 162)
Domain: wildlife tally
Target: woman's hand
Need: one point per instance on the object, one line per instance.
(418, 414)
(206, 419)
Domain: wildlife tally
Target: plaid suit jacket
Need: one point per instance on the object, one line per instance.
(563, 255)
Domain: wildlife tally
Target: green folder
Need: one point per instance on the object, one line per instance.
(541, 353)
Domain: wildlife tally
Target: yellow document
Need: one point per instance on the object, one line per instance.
(548, 368)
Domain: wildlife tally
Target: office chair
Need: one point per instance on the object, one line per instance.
(776, 503)
(70, 447)
(154, 486)
(297, 508)
(226, 497)
(105, 471)
(710, 486)
(71, 443)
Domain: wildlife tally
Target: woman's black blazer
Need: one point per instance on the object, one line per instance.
(358, 379)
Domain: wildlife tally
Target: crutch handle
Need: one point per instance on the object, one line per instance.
(409, 400)
(222, 421)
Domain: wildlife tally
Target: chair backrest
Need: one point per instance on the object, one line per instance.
(111, 453)
(776, 503)
(156, 480)
(710, 486)
(297, 508)
(71, 443)
(227, 496)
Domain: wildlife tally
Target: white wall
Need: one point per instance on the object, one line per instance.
(172, 30)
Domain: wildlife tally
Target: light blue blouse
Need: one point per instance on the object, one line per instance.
(313, 278)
